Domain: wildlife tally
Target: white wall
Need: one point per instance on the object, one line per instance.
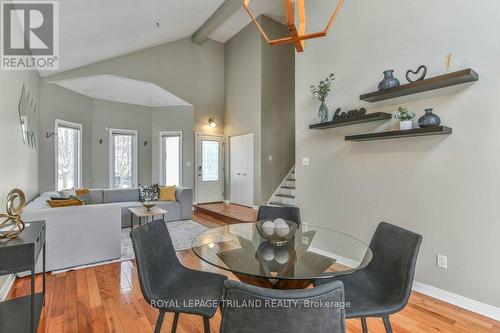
(445, 187)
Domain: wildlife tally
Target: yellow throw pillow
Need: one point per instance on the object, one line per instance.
(64, 203)
(167, 193)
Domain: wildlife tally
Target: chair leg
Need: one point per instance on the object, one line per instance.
(174, 324)
(364, 325)
(387, 324)
(206, 324)
(159, 322)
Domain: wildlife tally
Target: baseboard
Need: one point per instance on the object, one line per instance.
(227, 202)
(440, 294)
(4, 290)
(457, 300)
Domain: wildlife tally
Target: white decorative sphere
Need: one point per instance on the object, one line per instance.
(281, 255)
(267, 253)
(268, 228)
(282, 230)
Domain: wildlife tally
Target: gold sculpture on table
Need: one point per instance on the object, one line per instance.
(11, 224)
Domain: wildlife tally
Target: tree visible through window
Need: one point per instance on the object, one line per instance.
(170, 168)
(123, 159)
(68, 155)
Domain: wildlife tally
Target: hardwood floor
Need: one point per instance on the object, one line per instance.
(229, 213)
(108, 299)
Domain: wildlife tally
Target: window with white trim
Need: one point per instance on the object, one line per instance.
(123, 158)
(171, 158)
(68, 153)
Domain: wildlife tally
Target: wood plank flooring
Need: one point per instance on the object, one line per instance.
(229, 213)
(108, 299)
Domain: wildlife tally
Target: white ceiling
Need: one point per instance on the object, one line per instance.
(95, 30)
(123, 90)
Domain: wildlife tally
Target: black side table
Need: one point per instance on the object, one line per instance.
(19, 255)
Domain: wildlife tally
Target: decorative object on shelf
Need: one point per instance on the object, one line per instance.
(405, 118)
(429, 119)
(420, 78)
(148, 205)
(369, 117)
(12, 225)
(389, 81)
(447, 61)
(321, 93)
(297, 35)
(351, 114)
(211, 122)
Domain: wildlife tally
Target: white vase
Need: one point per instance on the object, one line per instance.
(405, 125)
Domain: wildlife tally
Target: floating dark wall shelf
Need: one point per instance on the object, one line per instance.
(440, 130)
(438, 82)
(377, 116)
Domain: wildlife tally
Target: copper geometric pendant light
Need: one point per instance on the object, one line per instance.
(297, 36)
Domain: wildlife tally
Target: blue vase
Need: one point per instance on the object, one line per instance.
(429, 119)
(323, 112)
(389, 81)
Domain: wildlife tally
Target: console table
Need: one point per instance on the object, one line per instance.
(17, 255)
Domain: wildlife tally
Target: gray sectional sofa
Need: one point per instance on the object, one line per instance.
(181, 209)
(82, 235)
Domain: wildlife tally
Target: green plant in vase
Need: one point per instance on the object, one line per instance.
(321, 91)
(405, 118)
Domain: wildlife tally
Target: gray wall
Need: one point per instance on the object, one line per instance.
(64, 104)
(107, 115)
(278, 109)
(260, 100)
(243, 66)
(445, 188)
(192, 72)
(175, 118)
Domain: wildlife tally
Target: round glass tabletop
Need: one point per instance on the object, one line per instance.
(282, 250)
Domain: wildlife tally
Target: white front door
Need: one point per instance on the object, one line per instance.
(209, 168)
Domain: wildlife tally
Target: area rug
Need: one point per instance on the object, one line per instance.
(181, 232)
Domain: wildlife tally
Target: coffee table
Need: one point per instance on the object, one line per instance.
(142, 212)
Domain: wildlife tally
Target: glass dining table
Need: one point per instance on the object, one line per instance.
(282, 255)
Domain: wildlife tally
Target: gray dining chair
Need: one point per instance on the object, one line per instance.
(270, 213)
(384, 286)
(249, 309)
(166, 284)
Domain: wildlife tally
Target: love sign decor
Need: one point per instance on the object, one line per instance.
(349, 115)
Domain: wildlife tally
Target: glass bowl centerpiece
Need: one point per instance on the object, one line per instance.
(277, 232)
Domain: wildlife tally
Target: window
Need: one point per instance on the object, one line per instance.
(171, 158)
(123, 158)
(68, 155)
(210, 161)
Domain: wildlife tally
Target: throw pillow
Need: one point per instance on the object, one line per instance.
(167, 193)
(64, 203)
(83, 194)
(149, 193)
(69, 193)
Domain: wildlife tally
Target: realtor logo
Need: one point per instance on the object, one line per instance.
(30, 39)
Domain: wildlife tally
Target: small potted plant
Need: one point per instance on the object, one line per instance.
(321, 92)
(405, 118)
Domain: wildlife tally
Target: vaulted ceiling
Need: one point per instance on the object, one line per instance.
(94, 30)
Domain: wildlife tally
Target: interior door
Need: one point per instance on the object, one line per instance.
(247, 170)
(241, 169)
(210, 169)
(235, 168)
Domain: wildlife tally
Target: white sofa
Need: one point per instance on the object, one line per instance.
(82, 235)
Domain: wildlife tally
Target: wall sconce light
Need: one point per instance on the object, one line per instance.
(50, 134)
(211, 122)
